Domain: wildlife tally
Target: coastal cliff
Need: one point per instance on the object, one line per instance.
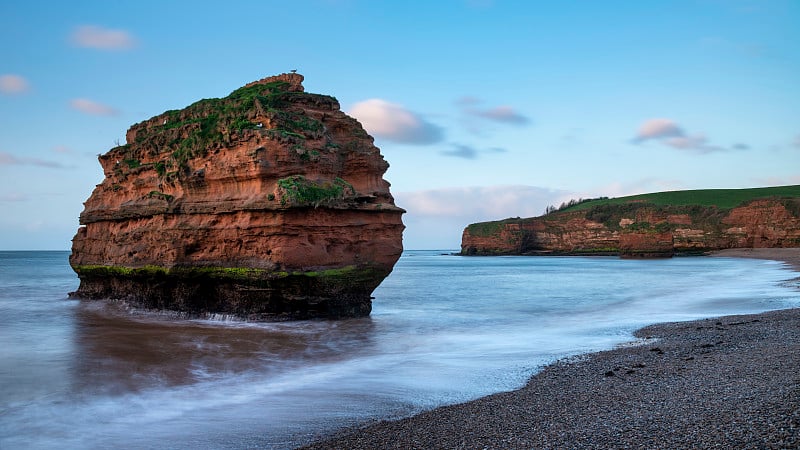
(646, 227)
(267, 204)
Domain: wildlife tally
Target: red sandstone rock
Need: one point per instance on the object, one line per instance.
(271, 196)
(646, 244)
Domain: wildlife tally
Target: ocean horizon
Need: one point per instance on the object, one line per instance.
(444, 329)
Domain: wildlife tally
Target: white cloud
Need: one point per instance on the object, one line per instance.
(479, 202)
(502, 114)
(91, 107)
(633, 187)
(92, 36)
(13, 84)
(658, 129)
(7, 159)
(14, 197)
(468, 152)
(461, 151)
(796, 142)
(778, 181)
(669, 133)
(696, 142)
(436, 218)
(395, 123)
(467, 101)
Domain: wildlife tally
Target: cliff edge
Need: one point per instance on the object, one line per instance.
(651, 225)
(267, 204)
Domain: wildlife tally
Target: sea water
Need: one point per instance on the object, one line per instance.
(444, 329)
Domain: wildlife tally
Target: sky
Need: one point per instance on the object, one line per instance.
(484, 109)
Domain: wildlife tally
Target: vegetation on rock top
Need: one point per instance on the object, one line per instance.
(210, 123)
(485, 229)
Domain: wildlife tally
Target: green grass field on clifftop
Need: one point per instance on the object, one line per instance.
(721, 198)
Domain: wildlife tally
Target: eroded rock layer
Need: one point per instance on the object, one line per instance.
(640, 229)
(267, 204)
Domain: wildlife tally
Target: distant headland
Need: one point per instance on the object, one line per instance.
(648, 225)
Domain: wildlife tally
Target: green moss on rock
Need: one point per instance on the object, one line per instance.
(251, 294)
(486, 229)
(298, 190)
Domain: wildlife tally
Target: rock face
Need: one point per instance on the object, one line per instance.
(641, 230)
(268, 204)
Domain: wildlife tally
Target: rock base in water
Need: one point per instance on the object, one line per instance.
(247, 294)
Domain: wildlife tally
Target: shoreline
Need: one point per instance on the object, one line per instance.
(790, 256)
(727, 381)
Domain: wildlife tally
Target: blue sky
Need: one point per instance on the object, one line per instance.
(484, 109)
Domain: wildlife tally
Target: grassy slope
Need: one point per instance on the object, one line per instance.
(721, 198)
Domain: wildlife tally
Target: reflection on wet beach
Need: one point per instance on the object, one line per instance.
(117, 352)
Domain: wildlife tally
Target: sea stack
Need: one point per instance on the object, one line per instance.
(267, 204)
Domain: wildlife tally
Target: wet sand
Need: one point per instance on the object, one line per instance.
(790, 256)
(725, 382)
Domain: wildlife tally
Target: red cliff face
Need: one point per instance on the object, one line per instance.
(762, 224)
(640, 230)
(269, 204)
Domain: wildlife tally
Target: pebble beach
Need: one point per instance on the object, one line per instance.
(730, 382)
